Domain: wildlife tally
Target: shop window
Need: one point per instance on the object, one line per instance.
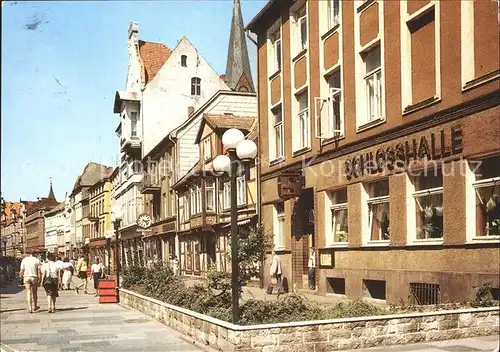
(335, 285)
(338, 233)
(378, 211)
(279, 225)
(428, 198)
(374, 289)
(210, 194)
(487, 192)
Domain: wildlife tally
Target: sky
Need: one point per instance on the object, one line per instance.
(62, 63)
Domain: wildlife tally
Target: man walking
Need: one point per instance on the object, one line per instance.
(31, 274)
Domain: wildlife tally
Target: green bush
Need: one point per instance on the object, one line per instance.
(133, 276)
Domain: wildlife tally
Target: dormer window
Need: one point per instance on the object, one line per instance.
(207, 149)
(183, 60)
(196, 86)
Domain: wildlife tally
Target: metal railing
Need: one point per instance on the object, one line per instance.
(425, 294)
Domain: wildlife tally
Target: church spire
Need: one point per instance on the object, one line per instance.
(51, 191)
(238, 73)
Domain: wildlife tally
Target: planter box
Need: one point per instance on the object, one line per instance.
(323, 335)
(107, 291)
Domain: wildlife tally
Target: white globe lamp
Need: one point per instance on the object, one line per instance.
(246, 150)
(231, 138)
(222, 164)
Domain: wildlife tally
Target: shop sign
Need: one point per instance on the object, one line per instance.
(290, 184)
(326, 259)
(168, 227)
(432, 147)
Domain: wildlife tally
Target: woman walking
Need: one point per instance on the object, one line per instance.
(50, 280)
(67, 274)
(82, 273)
(97, 274)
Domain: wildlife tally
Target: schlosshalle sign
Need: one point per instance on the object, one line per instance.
(433, 147)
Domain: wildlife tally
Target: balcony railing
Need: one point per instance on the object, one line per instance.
(150, 184)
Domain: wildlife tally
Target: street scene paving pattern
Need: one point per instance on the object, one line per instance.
(81, 324)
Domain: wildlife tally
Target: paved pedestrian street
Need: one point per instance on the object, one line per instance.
(81, 324)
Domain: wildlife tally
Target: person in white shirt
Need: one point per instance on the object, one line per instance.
(50, 280)
(311, 274)
(59, 264)
(30, 274)
(67, 275)
(97, 273)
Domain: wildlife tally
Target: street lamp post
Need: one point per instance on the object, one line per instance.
(117, 218)
(239, 150)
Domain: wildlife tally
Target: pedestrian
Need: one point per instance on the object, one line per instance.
(275, 272)
(97, 274)
(50, 280)
(59, 264)
(311, 274)
(81, 269)
(175, 265)
(67, 274)
(31, 274)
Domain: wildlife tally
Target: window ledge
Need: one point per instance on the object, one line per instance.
(421, 105)
(277, 161)
(365, 5)
(274, 75)
(481, 80)
(428, 242)
(299, 55)
(377, 243)
(337, 245)
(330, 32)
(483, 239)
(301, 151)
(371, 124)
(331, 140)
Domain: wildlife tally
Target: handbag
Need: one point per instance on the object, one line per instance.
(49, 281)
(269, 289)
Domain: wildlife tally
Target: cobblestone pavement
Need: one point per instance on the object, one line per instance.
(81, 324)
(476, 344)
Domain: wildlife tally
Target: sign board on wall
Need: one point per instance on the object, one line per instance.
(290, 184)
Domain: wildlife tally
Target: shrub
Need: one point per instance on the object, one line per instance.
(133, 276)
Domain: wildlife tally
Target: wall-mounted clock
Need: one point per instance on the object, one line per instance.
(144, 221)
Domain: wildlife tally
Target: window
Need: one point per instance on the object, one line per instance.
(210, 194)
(331, 122)
(241, 190)
(378, 211)
(428, 197)
(183, 60)
(339, 216)
(207, 149)
(424, 293)
(276, 50)
(192, 198)
(301, 28)
(196, 86)
(133, 124)
(198, 199)
(303, 120)
(487, 201)
(373, 84)
(279, 142)
(333, 13)
(279, 225)
(227, 195)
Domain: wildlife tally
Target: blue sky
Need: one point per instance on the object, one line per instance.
(61, 65)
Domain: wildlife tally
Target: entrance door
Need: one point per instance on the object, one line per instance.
(303, 237)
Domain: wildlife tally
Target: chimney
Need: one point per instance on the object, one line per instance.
(190, 110)
(133, 31)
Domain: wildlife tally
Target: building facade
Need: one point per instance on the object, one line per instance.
(13, 241)
(204, 198)
(101, 229)
(35, 222)
(388, 113)
(55, 224)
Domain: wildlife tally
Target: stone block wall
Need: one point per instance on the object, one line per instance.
(324, 335)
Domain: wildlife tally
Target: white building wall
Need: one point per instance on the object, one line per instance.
(167, 97)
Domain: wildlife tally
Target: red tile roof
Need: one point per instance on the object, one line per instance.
(153, 56)
(10, 208)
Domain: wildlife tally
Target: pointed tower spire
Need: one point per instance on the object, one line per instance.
(238, 73)
(51, 191)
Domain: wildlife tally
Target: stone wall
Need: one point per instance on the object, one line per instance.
(324, 335)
